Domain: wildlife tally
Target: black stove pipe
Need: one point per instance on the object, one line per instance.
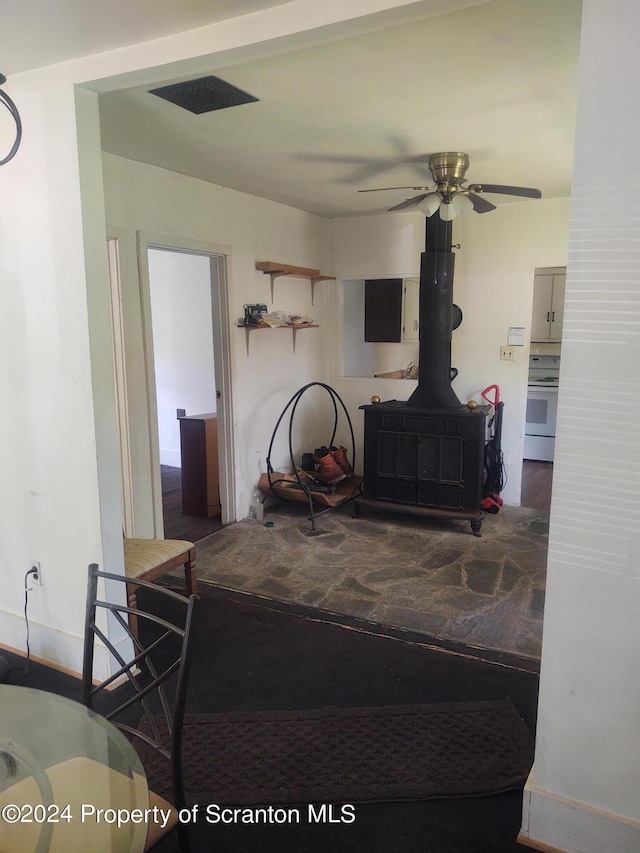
(434, 389)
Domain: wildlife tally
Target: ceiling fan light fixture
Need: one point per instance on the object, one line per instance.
(447, 211)
(430, 204)
(461, 204)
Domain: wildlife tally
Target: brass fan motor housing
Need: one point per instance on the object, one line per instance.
(449, 167)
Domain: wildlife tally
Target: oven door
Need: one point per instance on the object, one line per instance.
(542, 410)
(540, 428)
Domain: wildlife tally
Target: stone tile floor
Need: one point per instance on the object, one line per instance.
(429, 577)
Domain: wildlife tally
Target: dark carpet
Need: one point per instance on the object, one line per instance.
(350, 755)
(251, 655)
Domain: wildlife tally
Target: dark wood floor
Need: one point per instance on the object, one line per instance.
(177, 525)
(536, 493)
(536, 484)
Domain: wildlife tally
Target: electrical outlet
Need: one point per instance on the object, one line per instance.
(36, 576)
(507, 354)
(181, 413)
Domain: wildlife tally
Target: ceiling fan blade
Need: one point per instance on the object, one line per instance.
(480, 205)
(382, 189)
(408, 203)
(527, 192)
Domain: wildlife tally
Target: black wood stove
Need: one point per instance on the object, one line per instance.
(425, 455)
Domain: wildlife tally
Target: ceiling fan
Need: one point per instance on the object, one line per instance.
(447, 194)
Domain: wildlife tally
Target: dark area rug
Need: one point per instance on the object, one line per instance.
(251, 656)
(401, 752)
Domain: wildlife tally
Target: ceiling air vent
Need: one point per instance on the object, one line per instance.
(203, 95)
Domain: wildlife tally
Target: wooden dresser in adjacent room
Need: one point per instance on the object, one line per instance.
(200, 472)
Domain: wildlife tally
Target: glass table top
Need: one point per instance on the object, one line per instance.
(56, 753)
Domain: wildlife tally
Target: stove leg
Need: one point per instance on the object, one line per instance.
(475, 527)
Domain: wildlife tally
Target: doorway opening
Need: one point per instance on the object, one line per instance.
(542, 385)
(180, 295)
(184, 308)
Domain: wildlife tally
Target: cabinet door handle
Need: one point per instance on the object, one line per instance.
(553, 316)
(548, 315)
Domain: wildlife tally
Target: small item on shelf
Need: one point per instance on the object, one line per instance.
(252, 314)
(273, 318)
(300, 320)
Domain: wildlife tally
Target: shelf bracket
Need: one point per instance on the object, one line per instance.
(273, 276)
(319, 278)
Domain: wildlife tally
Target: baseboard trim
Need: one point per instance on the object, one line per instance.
(64, 651)
(555, 824)
(51, 664)
(536, 845)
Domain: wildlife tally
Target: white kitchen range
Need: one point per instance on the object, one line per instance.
(542, 407)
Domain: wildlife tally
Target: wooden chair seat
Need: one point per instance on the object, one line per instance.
(149, 559)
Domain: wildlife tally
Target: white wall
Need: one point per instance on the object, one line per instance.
(145, 198)
(49, 330)
(583, 794)
(493, 286)
(181, 314)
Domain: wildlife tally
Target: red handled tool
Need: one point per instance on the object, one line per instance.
(495, 477)
(496, 398)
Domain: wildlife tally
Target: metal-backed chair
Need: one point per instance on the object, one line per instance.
(152, 679)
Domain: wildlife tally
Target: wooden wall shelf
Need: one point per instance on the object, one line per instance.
(294, 329)
(275, 270)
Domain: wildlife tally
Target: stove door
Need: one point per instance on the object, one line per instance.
(540, 430)
(542, 409)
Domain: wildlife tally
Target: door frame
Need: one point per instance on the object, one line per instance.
(219, 256)
(115, 238)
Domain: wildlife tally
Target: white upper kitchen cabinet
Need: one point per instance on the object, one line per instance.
(548, 304)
